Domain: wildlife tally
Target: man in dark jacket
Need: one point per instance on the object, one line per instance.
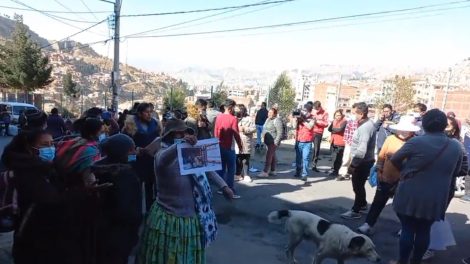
(389, 117)
(56, 124)
(260, 119)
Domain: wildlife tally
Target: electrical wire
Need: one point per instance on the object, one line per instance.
(223, 18)
(208, 10)
(54, 11)
(55, 17)
(79, 32)
(88, 8)
(302, 22)
(188, 21)
(86, 45)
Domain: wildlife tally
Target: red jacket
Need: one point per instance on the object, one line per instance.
(321, 121)
(337, 132)
(304, 131)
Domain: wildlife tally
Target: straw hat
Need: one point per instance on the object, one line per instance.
(407, 123)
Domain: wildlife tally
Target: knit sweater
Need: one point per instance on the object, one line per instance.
(387, 172)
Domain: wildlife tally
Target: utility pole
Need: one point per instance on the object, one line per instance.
(116, 73)
(132, 96)
(446, 90)
(338, 92)
(212, 90)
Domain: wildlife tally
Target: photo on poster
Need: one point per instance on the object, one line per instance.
(202, 157)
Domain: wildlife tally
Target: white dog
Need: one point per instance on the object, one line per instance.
(333, 240)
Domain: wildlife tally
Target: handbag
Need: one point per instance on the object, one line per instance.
(426, 165)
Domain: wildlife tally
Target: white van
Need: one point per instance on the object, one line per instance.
(15, 108)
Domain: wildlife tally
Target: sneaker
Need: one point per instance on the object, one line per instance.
(272, 173)
(315, 169)
(263, 175)
(363, 209)
(252, 169)
(365, 229)
(466, 260)
(238, 178)
(220, 192)
(429, 254)
(342, 178)
(236, 196)
(304, 179)
(247, 179)
(351, 215)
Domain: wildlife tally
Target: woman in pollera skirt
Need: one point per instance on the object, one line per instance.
(181, 222)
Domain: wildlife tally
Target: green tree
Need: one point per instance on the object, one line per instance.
(71, 90)
(400, 94)
(22, 65)
(219, 97)
(282, 94)
(174, 97)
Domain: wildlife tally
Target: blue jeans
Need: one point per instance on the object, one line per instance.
(228, 166)
(259, 131)
(303, 151)
(414, 237)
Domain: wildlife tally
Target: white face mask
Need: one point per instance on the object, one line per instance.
(353, 117)
(416, 115)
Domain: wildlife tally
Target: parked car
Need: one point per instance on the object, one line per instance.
(15, 108)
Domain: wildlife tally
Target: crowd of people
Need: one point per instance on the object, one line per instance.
(81, 185)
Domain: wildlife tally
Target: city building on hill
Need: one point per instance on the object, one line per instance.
(456, 101)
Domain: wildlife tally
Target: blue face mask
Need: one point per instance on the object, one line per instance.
(47, 153)
(131, 158)
(101, 137)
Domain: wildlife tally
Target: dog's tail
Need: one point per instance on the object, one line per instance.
(276, 217)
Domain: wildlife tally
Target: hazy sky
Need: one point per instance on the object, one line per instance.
(424, 38)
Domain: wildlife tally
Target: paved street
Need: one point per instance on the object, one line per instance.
(245, 236)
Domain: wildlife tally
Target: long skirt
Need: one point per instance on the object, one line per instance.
(168, 239)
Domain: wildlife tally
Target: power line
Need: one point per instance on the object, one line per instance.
(88, 8)
(340, 25)
(188, 21)
(86, 45)
(79, 32)
(303, 22)
(207, 10)
(54, 11)
(70, 10)
(55, 17)
(227, 17)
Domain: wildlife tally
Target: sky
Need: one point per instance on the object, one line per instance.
(434, 37)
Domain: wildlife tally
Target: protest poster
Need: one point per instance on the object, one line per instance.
(199, 158)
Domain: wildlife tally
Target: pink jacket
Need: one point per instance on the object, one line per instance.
(321, 123)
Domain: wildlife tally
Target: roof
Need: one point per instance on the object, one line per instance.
(17, 103)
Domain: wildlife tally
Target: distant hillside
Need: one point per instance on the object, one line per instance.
(7, 26)
(92, 72)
